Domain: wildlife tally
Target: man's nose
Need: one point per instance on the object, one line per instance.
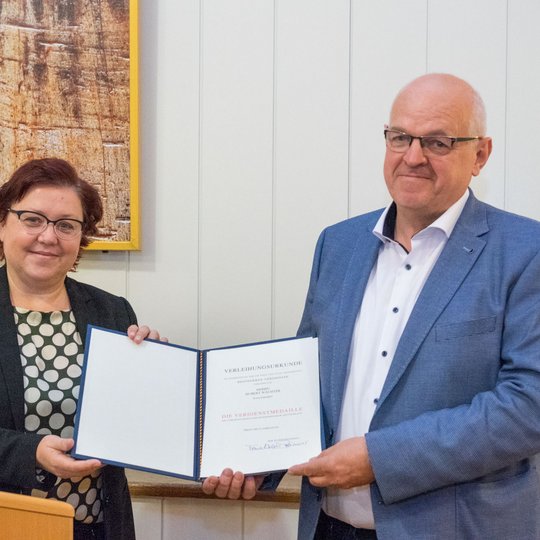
(415, 154)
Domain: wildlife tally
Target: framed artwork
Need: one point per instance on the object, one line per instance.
(69, 89)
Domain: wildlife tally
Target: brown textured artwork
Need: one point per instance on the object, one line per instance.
(65, 92)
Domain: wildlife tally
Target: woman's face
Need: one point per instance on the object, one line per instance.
(41, 260)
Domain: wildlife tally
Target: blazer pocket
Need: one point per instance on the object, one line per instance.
(465, 328)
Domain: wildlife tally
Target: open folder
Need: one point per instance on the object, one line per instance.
(183, 412)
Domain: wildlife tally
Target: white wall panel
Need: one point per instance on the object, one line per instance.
(107, 270)
(163, 277)
(523, 109)
(468, 39)
(236, 171)
(388, 49)
(311, 133)
(199, 519)
(193, 519)
(270, 522)
(147, 514)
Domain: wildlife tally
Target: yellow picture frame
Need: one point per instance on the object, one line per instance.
(134, 243)
(70, 89)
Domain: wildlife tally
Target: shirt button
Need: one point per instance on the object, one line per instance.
(408, 267)
(376, 400)
(395, 310)
(384, 353)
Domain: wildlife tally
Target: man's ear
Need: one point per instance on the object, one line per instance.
(483, 151)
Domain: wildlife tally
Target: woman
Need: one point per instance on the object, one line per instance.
(47, 214)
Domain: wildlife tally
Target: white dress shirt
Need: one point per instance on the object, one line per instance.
(394, 284)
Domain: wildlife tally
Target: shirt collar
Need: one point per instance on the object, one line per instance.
(386, 224)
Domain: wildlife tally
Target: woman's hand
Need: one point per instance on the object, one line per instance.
(140, 333)
(51, 456)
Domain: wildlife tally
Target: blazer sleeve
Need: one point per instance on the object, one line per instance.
(18, 458)
(307, 328)
(130, 314)
(489, 435)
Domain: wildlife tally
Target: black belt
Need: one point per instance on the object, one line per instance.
(329, 528)
(82, 531)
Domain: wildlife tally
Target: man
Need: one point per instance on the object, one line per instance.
(428, 318)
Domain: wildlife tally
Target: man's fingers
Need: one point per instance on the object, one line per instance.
(250, 488)
(232, 485)
(298, 470)
(314, 471)
(319, 481)
(311, 468)
(210, 484)
(235, 489)
(224, 483)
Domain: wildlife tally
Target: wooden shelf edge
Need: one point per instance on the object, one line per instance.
(194, 491)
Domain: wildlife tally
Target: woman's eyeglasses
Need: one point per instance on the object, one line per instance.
(36, 223)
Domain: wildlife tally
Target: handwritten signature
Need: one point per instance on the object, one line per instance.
(274, 445)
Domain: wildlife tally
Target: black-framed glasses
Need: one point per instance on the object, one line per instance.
(438, 145)
(36, 223)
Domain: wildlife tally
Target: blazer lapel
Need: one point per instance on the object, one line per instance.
(82, 305)
(361, 262)
(456, 260)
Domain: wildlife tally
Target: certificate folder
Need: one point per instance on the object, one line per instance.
(190, 413)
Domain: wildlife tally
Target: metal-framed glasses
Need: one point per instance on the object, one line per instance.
(438, 145)
(36, 223)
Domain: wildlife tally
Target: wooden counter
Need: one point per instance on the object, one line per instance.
(28, 517)
(143, 484)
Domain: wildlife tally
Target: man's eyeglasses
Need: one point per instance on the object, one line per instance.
(36, 223)
(438, 145)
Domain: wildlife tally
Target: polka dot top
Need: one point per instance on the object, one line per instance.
(52, 356)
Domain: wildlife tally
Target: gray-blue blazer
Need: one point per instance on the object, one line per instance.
(457, 425)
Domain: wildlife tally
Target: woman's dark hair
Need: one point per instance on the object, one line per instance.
(52, 172)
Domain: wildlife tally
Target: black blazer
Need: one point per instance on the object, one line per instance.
(17, 448)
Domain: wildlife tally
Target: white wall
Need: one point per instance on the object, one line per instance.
(200, 519)
(261, 122)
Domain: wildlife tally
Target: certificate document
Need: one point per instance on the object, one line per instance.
(183, 412)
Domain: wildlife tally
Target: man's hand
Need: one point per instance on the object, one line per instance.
(140, 333)
(344, 465)
(51, 456)
(232, 486)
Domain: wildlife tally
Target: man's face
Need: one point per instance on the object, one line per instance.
(424, 185)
